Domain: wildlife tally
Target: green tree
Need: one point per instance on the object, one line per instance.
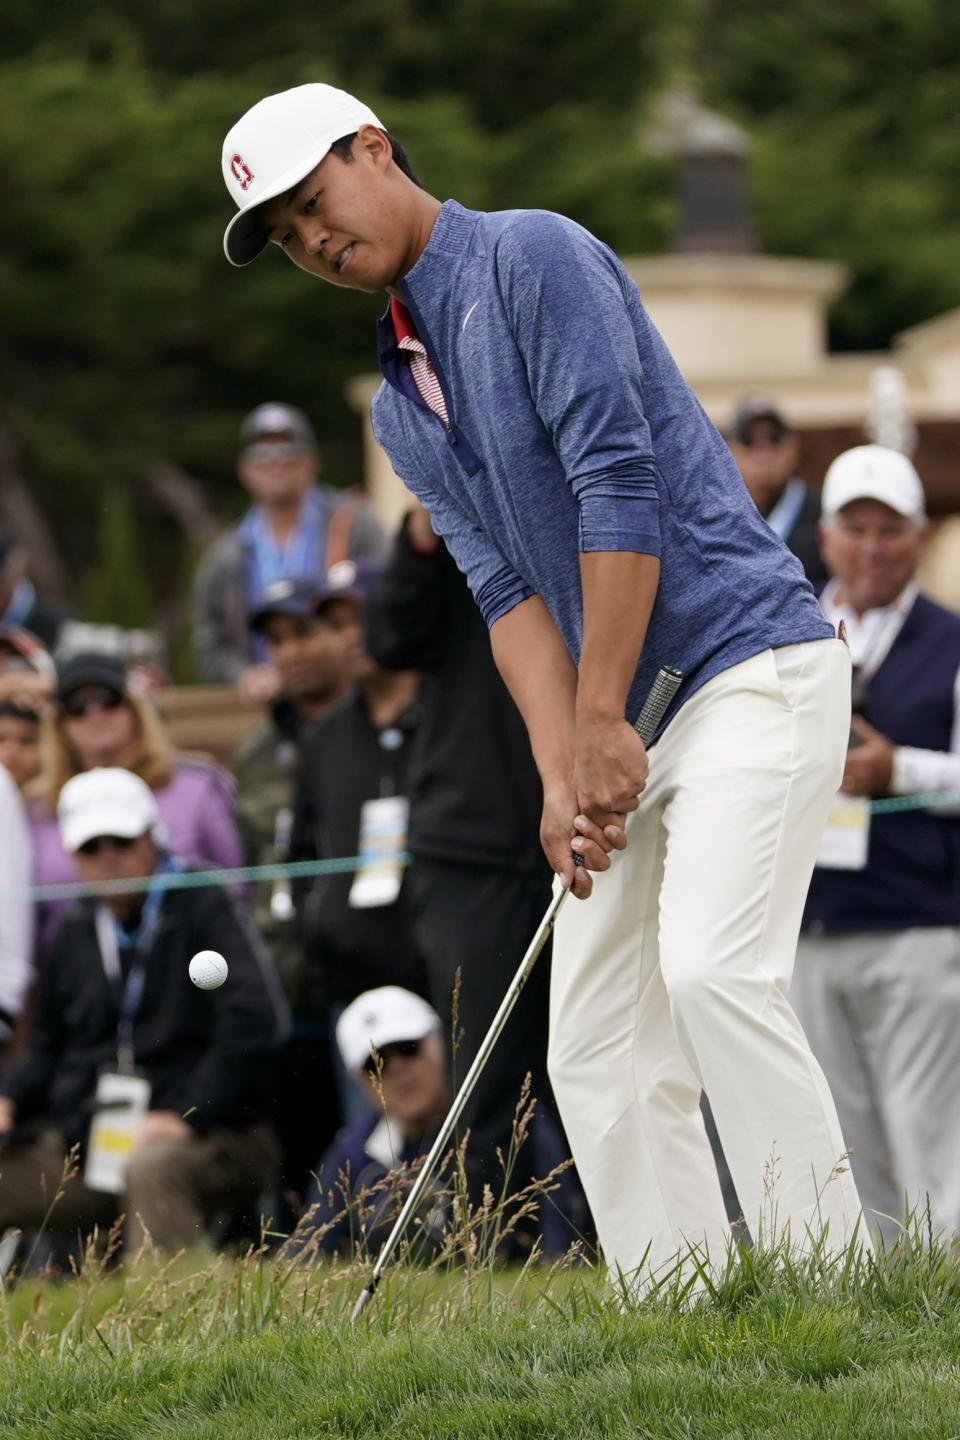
(854, 119)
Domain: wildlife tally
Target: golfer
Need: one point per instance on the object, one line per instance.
(530, 404)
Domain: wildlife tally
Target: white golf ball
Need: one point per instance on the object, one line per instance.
(207, 969)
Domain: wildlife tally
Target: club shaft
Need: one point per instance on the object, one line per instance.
(661, 693)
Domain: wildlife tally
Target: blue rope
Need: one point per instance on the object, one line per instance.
(342, 865)
(195, 879)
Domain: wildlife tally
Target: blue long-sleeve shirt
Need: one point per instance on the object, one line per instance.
(571, 430)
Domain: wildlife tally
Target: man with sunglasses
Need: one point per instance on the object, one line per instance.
(118, 1017)
(391, 1043)
(767, 451)
(295, 529)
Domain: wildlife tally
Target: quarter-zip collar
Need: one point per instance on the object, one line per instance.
(431, 277)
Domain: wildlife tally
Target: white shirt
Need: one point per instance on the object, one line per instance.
(870, 636)
(16, 908)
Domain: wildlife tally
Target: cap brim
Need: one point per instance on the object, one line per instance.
(92, 824)
(263, 613)
(245, 237)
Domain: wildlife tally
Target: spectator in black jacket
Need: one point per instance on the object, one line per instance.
(351, 794)
(479, 883)
(115, 997)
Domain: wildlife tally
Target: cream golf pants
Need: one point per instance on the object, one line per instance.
(673, 977)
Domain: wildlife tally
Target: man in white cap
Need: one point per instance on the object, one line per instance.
(295, 530)
(877, 980)
(182, 1075)
(391, 1042)
(532, 407)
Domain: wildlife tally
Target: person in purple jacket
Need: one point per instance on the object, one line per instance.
(532, 407)
(99, 721)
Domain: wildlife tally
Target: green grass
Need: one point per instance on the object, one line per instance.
(258, 1349)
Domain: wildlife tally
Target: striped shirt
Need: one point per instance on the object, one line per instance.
(416, 356)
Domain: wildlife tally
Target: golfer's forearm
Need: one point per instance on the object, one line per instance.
(536, 667)
(619, 588)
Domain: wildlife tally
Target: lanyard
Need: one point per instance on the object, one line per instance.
(109, 940)
(301, 557)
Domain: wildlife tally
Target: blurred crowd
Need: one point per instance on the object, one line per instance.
(306, 1086)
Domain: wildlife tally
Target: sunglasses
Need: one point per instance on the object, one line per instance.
(100, 842)
(79, 702)
(381, 1060)
(769, 437)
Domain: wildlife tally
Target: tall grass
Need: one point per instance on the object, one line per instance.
(764, 1342)
(770, 1343)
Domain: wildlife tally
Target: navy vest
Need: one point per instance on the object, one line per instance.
(913, 863)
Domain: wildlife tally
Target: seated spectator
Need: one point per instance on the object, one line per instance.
(116, 1001)
(16, 908)
(20, 605)
(99, 720)
(27, 678)
(296, 528)
(391, 1042)
(766, 451)
(307, 652)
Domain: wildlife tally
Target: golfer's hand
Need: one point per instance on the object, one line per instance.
(610, 771)
(869, 765)
(564, 834)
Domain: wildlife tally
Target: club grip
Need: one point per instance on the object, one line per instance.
(662, 691)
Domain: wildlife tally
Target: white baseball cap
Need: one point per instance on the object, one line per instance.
(107, 802)
(274, 146)
(873, 472)
(382, 1017)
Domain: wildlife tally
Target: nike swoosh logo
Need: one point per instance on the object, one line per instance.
(468, 314)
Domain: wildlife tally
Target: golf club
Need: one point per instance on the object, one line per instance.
(662, 691)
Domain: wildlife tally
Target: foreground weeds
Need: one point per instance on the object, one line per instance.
(262, 1347)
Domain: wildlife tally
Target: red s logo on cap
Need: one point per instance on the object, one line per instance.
(242, 172)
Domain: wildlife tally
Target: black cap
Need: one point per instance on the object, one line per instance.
(298, 598)
(751, 409)
(91, 668)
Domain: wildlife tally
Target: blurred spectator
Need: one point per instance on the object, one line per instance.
(27, 678)
(20, 605)
(766, 451)
(390, 1042)
(296, 529)
(307, 652)
(99, 720)
(16, 909)
(877, 979)
(352, 797)
(116, 1001)
(480, 882)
